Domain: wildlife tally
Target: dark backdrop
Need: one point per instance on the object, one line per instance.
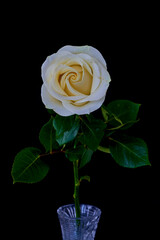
(126, 36)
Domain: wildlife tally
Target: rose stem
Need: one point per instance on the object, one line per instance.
(76, 189)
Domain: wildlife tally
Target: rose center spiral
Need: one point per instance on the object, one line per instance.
(76, 80)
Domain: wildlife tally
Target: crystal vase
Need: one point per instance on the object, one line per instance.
(83, 228)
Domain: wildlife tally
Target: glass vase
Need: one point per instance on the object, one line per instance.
(83, 228)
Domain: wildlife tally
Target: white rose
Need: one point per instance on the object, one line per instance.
(75, 80)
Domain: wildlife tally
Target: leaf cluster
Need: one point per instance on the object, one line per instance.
(78, 137)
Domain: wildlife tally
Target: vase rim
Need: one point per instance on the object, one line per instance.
(59, 210)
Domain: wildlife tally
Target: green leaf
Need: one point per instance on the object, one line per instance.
(86, 157)
(47, 136)
(28, 167)
(129, 151)
(86, 177)
(120, 113)
(75, 153)
(66, 128)
(92, 132)
(81, 153)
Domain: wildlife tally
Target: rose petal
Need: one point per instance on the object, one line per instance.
(53, 61)
(85, 109)
(98, 94)
(96, 77)
(104, 73)
(84, 85)
(60, 97)
(46, 64)
(75, 80)
(52, 103)
(93, 52)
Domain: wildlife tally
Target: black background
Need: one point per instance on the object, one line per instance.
(126, 35)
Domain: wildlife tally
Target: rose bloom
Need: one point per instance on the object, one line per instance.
(75, 80)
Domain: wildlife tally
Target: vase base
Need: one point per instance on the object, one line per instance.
(83, 228)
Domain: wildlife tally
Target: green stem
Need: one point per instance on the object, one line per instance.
(76, 188)
(103, 149)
